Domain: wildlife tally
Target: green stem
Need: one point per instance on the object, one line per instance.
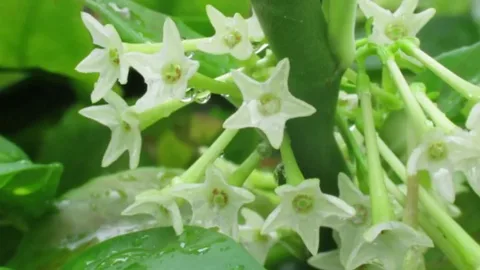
(381, 208)
(292, 171)
(410, 215)
(414, 110)
(154, 114)
(350, 141)
(189, 45)
(196, 171)
(438, 117)
(201, 81)
(451, 230)
(240, 175)
(465, 88)
(341, 17)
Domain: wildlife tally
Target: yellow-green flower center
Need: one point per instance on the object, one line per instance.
(219, 198)
(114, 56)
(269, 104)
(126, 126)
(259, 237)
(396, 31)
(232, 38)
(303, 203)
(437, 151)
(171, 73)
(361, 215)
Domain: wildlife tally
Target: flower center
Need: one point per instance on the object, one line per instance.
(219, 198)
(114, 56)
(361, 216)
(437, 151)
(259, 237)
(232, 38)
(396, 31)
(171, 73)
(269, 104)
(302, 203)
(126, 126)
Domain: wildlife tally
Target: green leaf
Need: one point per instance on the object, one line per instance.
(86, 216)
(160, 248)
(28, 188)
(9, 152)
(464, 63)
(43, 34)
(145, 25)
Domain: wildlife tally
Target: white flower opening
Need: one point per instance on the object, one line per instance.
(268, 105)
(389, 27)
(125, 126)
(214, 203)
(231, 35)
(304, 208)
(108, 60)
(166, 72)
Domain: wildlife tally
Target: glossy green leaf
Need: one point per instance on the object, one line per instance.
(463, 62)
(28, 188)
(43, 34)
(86, 216)
(140, 24)
(160, 248)
(9, 152)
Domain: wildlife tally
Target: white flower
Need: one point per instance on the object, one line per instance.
(304, 208)
(389, 27)
(267, 105)
(253, 240)
(214, 203)
(160, 204)
(255, 31)
(473, 120)
(330, 260)
(466, 156)
(166, 72)
(434, 156)
(389, 242)
(231, 35)
(124, 124)
(108, 60)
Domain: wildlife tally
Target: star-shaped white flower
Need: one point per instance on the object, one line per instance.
(267, 105)
(390, 242)
(125, 126)
(349, 101)
(253, 240)
(166, 72)
(231, 35)
(434, 156)
(160, 204)
(304, 208)
(389, 27)
(214, 203)
(108, 60)
(255, 31)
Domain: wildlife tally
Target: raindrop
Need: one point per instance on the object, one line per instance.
(190, 95)
(203, 97)
(190, 55)
(125, 12)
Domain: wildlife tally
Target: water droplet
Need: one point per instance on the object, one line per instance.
(190, 55)
(203, 97)
(190, 95)
(124, 12)
(127, 177)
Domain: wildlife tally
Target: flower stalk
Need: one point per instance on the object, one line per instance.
(292, 171)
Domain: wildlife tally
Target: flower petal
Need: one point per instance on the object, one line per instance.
(104, 84)
(278, 81)
(252, 218)
(240, 119)
(217, 19)
(96, 61)
(255, 31)
(115, 148)
(407, 7)
(327, 260)
(145, 64)
(214, 45)
(310, 234)
(134, 148)
(443, 184)
(172, 40)
(473, 120)
(114, 39)
(372, 9)
(96, 29)
(418, 21)
(103, 114)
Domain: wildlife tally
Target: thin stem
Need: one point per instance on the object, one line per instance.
(292, 171)
(413, 108)
(351, 142)
(189, 45)
(381, 208)
(154, 114)
(438, 117)
(240, 175)
(410, 215)
(465, 88)
(196, 171)
(201, 81)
